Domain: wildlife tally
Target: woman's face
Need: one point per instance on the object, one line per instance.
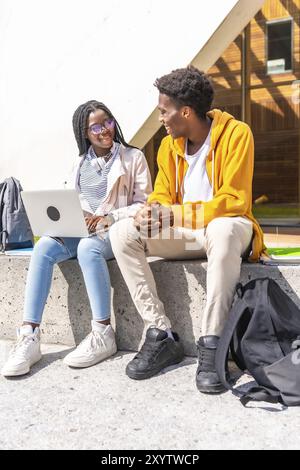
(100, 129)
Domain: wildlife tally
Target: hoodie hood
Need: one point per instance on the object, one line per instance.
(220, 121)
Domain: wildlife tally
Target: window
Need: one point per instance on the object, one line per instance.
(279, 46)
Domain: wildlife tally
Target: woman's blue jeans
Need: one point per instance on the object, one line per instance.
(91, 253)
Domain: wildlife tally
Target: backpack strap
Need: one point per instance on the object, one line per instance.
(10, 186)
(261, 394)
(237, 311)
(3, 233)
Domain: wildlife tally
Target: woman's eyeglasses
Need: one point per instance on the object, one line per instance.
(97, 129)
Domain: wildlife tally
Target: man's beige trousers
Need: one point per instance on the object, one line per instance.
(224, 241)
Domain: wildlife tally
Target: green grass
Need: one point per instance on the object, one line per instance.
(284, 251)
(283, 211)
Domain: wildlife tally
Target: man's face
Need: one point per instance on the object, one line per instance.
(172, 117)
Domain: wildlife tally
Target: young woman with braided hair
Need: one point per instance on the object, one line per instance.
(113, 182)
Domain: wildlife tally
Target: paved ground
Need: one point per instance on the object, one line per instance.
(56, 407)
(281, 240)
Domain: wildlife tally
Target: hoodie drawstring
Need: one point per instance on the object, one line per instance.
(213, 172)
(176, 177)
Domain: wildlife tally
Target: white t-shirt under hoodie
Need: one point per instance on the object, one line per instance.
(196, 185)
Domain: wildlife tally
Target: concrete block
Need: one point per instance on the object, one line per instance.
(181, 286)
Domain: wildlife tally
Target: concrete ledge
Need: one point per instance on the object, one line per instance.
(181, 286)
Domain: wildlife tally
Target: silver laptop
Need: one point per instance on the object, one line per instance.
(56, 213)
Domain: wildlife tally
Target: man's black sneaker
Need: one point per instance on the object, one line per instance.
(158, 351)
(207, 379)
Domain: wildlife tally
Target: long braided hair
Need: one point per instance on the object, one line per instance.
(80, 119)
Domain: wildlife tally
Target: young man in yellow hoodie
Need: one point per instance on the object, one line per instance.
(201, 206)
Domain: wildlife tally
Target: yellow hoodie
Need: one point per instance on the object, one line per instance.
(229, 167)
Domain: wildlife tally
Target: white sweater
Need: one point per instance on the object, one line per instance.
(128, 184)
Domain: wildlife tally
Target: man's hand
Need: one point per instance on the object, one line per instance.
(166, 217)
(142, 217)
(152, 219)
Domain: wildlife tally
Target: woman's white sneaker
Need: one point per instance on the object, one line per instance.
(97, 346)
(25, 352)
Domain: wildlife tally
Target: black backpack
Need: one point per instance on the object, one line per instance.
(15, 231)
(263, 330)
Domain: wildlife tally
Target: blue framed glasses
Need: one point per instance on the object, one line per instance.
(97, 129)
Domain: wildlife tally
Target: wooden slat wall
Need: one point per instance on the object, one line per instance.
(151, 150)
(274, 116)
(276, 166)
(226, 77)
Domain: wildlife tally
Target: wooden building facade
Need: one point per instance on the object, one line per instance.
(257, 80)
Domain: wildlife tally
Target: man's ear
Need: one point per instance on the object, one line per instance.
(186, 112)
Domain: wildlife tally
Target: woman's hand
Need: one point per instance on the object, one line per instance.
(92, 221)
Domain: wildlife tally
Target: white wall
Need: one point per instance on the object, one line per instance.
(56, 55)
